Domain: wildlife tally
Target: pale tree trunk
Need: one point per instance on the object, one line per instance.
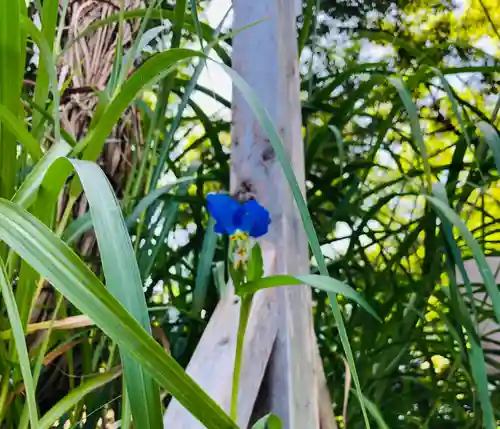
(266, 56)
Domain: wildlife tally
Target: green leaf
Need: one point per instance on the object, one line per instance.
(255, 264)
(454, 105)
(123, 280)
(153, 196)
(16, 126)
(492, 139)
(306, 26)
(373, 410)
(49, 66)
(50, 119)
(440, 192)
(12, 58)
(204, 271)
(340, 146)
(476, 354)
(26, 196)
(20, 343)
(480, 375)
(49, 13)
(26, 193)
(55, 261)
(236, 275)
(153, 70)
(271, 421)
(324, 283)
(186, 97)
(169, 213)
(447, 213)
(74, 397)
(197, 24)
(411, 109)
(84, 223)
(77, 228)
(218, 273)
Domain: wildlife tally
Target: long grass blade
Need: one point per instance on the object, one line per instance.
(49, 14)
(55, 261)
(270, 421)
(416, 131)
(374, 411)
(17, 128)
(267, 125)
(50, 68)
(169, 136)
(204, 270)
(492, 139)
(26, 193)
(476, 354)
(484, 269)
(340, 146)
(12, 57)
(84, 223)
(153, 70)
(20, 343)
(123, 280)
(454, 105)
(74, 397)
(324, 283)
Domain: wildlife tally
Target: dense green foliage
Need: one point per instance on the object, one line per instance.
(369, 204)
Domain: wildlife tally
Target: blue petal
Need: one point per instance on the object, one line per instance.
(223, 209)
(253, 219)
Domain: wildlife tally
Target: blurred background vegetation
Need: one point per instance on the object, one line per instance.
(365, 186)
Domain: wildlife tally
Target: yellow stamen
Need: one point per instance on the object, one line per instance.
(239, 236)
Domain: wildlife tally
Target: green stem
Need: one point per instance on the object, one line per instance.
(142, 218)
(126, 410)
(246, 305)
(41, 355)
(4, 392)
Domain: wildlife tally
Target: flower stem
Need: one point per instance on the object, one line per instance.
(246, 304)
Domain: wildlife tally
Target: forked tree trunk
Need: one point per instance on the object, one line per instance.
(266, 56)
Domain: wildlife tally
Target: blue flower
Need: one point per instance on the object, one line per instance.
(231, 216)
(222, 208)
